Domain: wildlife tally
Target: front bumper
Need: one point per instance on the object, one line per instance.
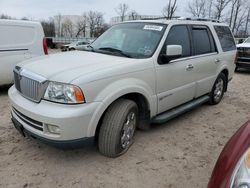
(68, 144)
(74, 121)
(243, 62)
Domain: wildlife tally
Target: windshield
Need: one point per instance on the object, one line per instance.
(247, 41)
(135, 40)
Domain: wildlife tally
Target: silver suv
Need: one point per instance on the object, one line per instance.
(135, 74)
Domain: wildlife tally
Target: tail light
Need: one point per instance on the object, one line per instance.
(236, 57)
(45, 49)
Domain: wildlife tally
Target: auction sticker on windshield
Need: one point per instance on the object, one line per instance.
(153, 27)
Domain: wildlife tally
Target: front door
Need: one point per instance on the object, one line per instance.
(175, 82)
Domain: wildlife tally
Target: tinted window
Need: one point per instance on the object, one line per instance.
(178, 35)
(225, 37)
(201, 40)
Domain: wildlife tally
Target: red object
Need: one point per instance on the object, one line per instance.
(229, 157)
(45, 49)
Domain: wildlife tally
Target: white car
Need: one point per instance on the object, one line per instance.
(19, 41)
(135, 74)
(78, 45)
(243, 60)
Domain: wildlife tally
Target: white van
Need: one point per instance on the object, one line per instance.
(19, 40)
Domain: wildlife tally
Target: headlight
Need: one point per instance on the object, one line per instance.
(64, 93)
(241, 176)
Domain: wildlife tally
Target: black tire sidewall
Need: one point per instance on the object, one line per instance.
(119, 148)
(212, 100)
(109, 140)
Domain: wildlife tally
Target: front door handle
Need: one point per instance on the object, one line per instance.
(216, 61)
(189, 67)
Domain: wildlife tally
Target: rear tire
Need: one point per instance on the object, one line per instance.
(218, 89)
(118, 127)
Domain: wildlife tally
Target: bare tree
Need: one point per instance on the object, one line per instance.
(67, 28)
(58, 24)
(95, 21)
(5, 16)
(170, 9)
(247, 21)
(209, 6)
(220, 5)
(81, 25)
(240, 22)
(122, 10)
(237, 10)
(133, 15)
(48, 27)
(233, 2)
(197, 8)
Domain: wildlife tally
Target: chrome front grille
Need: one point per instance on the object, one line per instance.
(244, 52)
(30, 85)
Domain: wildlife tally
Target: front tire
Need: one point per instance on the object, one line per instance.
(118, 127)
(218, 89)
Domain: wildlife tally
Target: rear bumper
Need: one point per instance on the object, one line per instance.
(68, 144)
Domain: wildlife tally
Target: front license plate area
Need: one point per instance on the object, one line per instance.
(18, 126)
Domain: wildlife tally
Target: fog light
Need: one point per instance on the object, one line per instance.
(53, 129)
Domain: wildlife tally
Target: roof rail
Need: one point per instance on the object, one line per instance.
(161, 18)
(200, 19)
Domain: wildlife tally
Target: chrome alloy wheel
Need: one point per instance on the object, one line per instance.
(128, 130)
(219, 86)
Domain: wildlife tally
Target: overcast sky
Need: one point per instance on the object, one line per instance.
(42, 9)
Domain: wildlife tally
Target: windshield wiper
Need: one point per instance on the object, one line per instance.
(91, 47)
(114, 50)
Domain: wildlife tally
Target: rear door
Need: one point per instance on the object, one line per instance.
(205, 59)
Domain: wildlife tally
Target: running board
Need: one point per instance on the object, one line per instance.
(170, 114)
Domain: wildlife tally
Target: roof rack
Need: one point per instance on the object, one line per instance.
(199, 19)
(183, 18)
(161, 18)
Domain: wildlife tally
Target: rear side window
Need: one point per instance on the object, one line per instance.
(225, 37)
(202, 40)
(178, 35)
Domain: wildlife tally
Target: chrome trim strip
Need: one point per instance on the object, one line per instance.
(31, 75)
(192, 57)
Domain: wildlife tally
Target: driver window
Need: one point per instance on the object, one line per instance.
(178, 35)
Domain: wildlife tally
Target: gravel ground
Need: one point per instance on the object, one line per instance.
(180, 153)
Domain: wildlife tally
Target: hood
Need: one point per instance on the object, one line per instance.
(245, 45)
(65, 67)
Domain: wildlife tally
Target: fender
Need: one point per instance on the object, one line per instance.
(118, 89)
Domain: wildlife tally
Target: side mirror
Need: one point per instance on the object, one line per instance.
(172, 52)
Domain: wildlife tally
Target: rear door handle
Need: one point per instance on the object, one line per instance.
(189, 67)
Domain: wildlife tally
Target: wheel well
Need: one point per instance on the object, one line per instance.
(225, 72)
(143, 107)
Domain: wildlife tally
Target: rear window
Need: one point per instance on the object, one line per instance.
(225, 37)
